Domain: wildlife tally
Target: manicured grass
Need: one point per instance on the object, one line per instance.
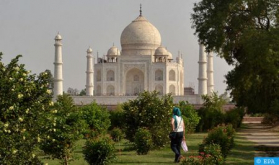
(241, 154)
(164, 156)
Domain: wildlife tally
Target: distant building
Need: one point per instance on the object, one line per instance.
(189, 91)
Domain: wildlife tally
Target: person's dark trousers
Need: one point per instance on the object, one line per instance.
(176, 144)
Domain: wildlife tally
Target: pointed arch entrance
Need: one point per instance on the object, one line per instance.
(134, 82)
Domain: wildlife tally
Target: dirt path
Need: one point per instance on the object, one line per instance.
(265, 137)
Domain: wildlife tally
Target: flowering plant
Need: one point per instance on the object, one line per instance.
(25, 100)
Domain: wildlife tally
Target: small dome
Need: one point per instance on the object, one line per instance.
(161, 51)
(58, 37)
(89, 50)
(113, 51)
(170, 56)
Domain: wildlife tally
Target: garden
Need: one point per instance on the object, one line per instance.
(36, 130)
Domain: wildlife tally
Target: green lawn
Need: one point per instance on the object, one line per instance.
(241, 154)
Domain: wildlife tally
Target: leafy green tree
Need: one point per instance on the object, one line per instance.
(152, 112)
(64, 127)
(97, 118)
(25, 100)
(246, 34)
(82, 92)
(190, 116)
(212, 113)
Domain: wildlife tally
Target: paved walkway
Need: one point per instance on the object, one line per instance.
(265, 137)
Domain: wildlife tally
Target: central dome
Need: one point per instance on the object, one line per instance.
(140, 37)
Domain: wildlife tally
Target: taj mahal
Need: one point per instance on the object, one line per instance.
(142, 64)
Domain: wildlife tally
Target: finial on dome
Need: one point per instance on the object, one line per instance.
(140, 10)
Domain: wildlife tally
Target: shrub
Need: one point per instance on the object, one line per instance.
(221, 135)
(117, 117)
(25, 99)
(190, 116)
(151, 112)
(97, 118)
(270, 119)
(211, 156)
(64, 127)
(234, 117)
(211, 113)
(210, 118)
(117, 134)
(99, 151)
(143, 141)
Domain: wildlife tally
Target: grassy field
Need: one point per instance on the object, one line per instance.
(241, 154)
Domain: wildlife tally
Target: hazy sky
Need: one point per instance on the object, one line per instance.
(28, 27)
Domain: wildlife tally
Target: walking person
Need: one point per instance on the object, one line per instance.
(178, 127)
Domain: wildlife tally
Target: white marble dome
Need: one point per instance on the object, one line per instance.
(139, 37)
(113, 51)
(170, 56)
(161, 51)
(89, 50)
(58, 37)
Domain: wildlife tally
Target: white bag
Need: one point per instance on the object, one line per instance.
(184, 146)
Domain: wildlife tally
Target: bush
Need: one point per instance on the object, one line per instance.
(117, 117)
(116, 134)
(211, 156)
(152, 112)
(270, 119)
(97, 118)
(64, 127)
(25, 100)
(99, 151)
(211, 113)
(221, 135)
(210, 118)
(190, 116)
(143, 141)
(234, 117)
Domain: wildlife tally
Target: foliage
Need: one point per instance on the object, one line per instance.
(221, 135)
(211, 113)
(211, 156)
(117, 117)
(270, 119)
(190, 116)
(25, 99)
(117, 134)
(234, 117)
(82, 92)
(99, 151)
(143, 141)
(97, 118)
(152, 112)
(246, 34)
(64, 127)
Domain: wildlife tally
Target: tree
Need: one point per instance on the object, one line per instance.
(72, 91)
(82, 92)
(152, 112)
(246, 34)
(25, 100)
(64, 126)
(97, 118)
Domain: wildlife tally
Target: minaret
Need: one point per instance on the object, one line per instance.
(210, 80)
(89, 73)
(58, 66)
(202, 71)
